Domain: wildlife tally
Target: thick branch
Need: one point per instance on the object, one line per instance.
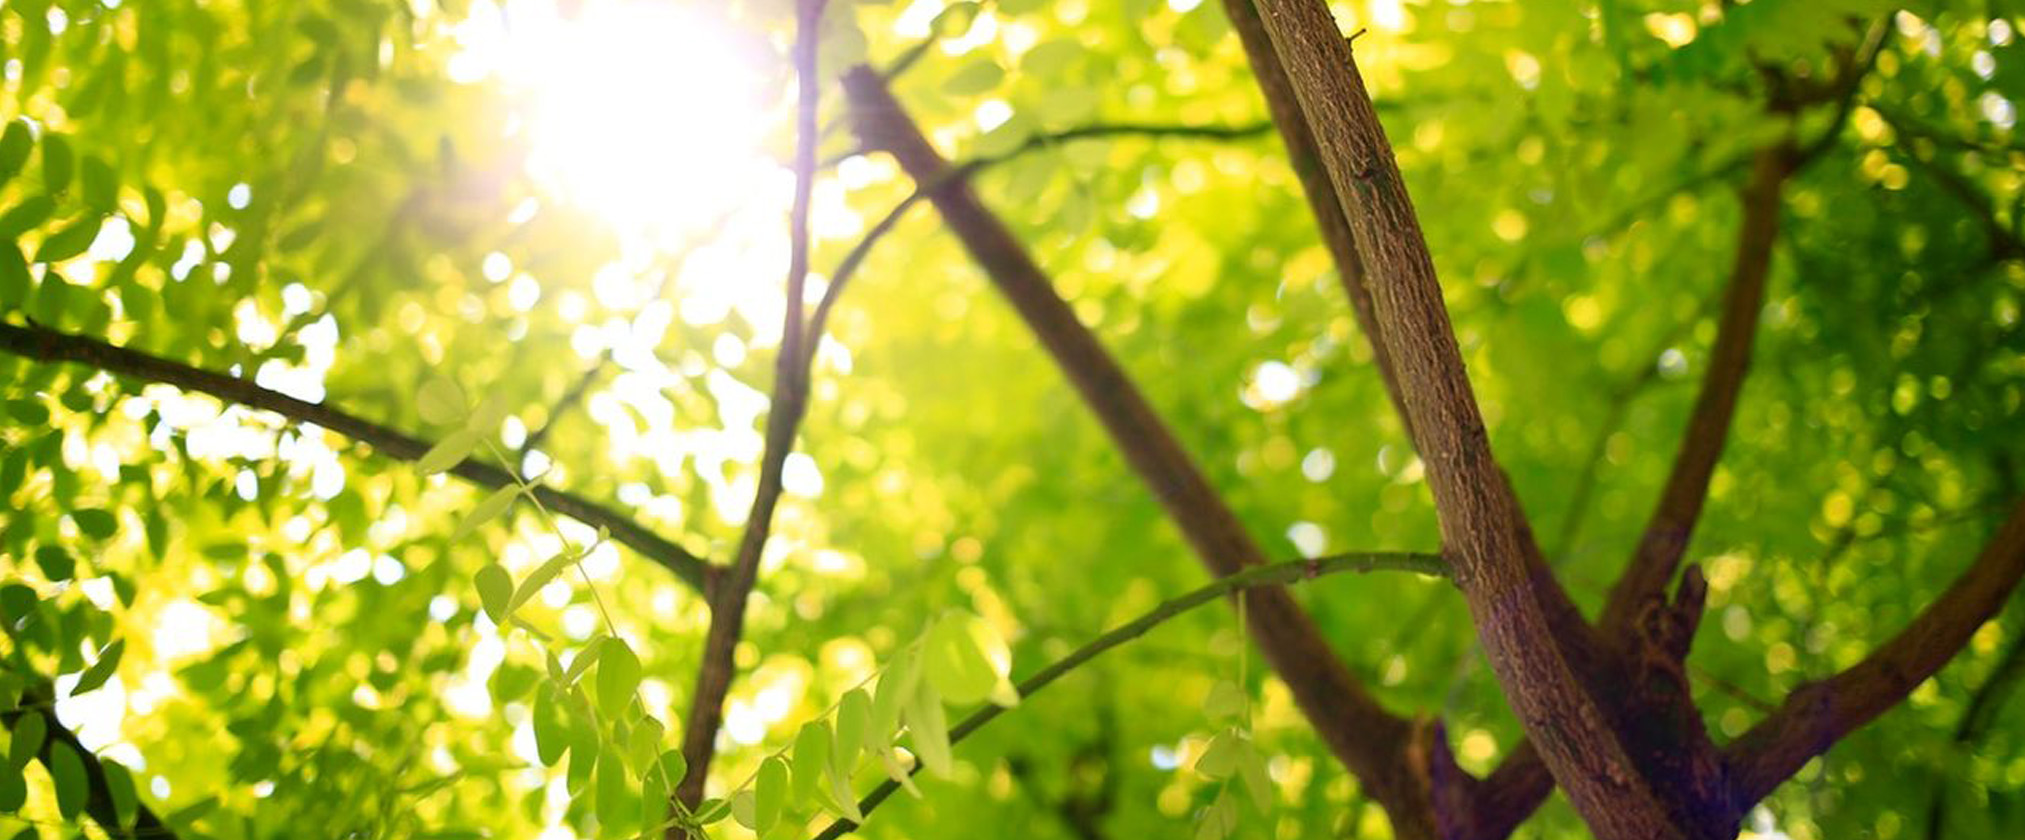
(47, 345)
(1253, 578)
(1366, 737)
(1667, 533)
(1818, 714)
(1517, 607)
(789, 403)
(98, 803)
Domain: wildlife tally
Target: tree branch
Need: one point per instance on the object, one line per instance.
(1672, 523)
(1818, 714)
(46, 345)
(40, 700)
(1521, 612)
(789, 404)
(1366, 737)
(1252, 578)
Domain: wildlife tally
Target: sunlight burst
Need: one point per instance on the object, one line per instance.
(648, 114)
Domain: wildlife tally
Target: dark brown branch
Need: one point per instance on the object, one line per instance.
(47, 345)
(1672, 523)
(789, 404)
(1519, 609)
(854, 258)
(1363, 734)
(1253, 579)
(40, 700)
(1818, 714)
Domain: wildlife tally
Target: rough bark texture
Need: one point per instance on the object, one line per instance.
(1367, 738)
(47, 345)
(1483, 528)
(1817, 715)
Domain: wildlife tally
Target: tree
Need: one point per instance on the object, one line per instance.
(410, 432)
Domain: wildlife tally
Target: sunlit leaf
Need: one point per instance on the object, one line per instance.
(488, 509)
(449, 452)
(1226, 701)
(769, 793)
(441, 402)
(1220, 758)
(102, 669)
(928, 730)
(618, 676)
(811, 758)
(495, 591)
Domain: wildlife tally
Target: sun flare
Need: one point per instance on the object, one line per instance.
(648, 114)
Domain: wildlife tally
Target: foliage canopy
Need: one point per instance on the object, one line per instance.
(387, 387)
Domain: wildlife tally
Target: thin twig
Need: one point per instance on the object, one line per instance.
(1277, 574)
(789, 404)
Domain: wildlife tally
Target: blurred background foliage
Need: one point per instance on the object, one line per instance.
(342, 198)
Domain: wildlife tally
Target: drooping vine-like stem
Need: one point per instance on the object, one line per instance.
(1277, 574)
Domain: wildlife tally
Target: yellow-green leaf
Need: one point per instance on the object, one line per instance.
(495, 589)
(449, 452)
(66, 769)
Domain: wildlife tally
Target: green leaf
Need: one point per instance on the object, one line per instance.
(540, 577)
(96, 523)
(976, 77)
(585, 658)
(615, 795)
(551, 735)
(643, 744)
(15, 145)
(56, 564)
(1219, 819)
(896, 690)
(1220, 757)
(899, 772)
(101, 185)
(29, 731)
(57, 163)
(15, 281)
(26, 216)
(618, 677)
(1252, 769)
(488, 509)
(441, 402)
(119, 784)
(1226, 701)
(712, 810)
(674, 767)
(13, 789)
(28, 411)
(101, 670)
(66, 769)
(953, 659)
(769, 792)
(450, 452)
(745, 809)
(495, 591)
(854, 729)
(811, 758)
(928, 730)
(72, 240)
